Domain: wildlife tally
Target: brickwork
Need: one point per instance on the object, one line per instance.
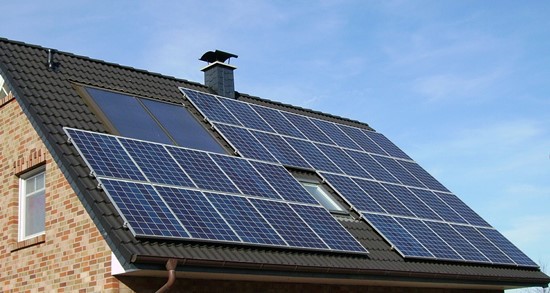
(72, 255)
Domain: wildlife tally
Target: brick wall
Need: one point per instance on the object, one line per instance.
(72, 254)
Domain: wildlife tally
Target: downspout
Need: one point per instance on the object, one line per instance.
(171, 265)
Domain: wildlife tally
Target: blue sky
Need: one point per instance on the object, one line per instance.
(462, 86)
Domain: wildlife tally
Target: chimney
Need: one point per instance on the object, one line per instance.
(219, 75)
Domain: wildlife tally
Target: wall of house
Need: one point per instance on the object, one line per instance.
(72, 254)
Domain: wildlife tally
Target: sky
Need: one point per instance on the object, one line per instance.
(461, 86)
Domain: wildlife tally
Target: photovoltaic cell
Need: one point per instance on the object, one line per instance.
(307, 127)
(362, 140)
(423, 176)
(288, 224)
(372, 166)
(398, 236)
(245, 143)
(244, 113)
(210, 107)
(383, 197)
(343, 161)
(313, 155)
(105, 155)
(337, 135)
(284, 183)
(245, 220)
(247, 179)
(398, 171)
(412, 202)
(386, 144)
(484, 245)
(333, 234)
(429, 239)
(278, 122)
(356, 196)
(462, 209)
(202, 170)
(507, 247)
(142, 208)
(196, 214)
(156, 163)
(282, 151)
(457, 242)
(438, 206)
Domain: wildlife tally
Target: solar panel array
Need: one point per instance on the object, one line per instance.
(163, 191)
(402, 201)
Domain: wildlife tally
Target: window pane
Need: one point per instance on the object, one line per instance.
(128, 116)
(182, 126)
(29, 185)
(35, 213)
(324, 198)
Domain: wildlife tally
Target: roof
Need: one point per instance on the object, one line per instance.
(50, 101)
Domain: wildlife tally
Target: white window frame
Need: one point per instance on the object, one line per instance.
(339, 209)
(23, 201)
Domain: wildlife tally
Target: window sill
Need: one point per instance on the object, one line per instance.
(29, 242)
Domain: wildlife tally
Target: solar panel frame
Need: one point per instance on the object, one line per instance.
(398, 171)
(244, 142)
(384, 198)
(336, 134)
(246, 114)
(488, 249)
(306, 127)
(423, 176)
(352, 193)
(459, 243)
(462, 209)
(313, 155)
(281, 150)
(388, 146)
(413, 203)
(210, 106)
(347, 164)
(362, 140)
(278, 122)
(507, 247)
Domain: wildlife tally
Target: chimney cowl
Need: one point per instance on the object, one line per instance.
(213, 56)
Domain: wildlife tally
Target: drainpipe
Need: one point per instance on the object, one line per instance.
(171, 265)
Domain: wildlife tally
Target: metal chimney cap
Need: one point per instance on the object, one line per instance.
(213, 56)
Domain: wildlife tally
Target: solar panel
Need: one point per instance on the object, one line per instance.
(356, 196)
(288, 224)
(282, 151)
(423, 176)
(156, 163)
(245, 143)
(332, 233)
(507, 247)
(457, 242)
(247, 179)
(313, 155)
(210, 107)
(398, 171)
(104, 155)
(196, 214)
(386, 144)
(143, 209)
(438, 206)
(337, 135)
(362, 140)
(462, 209)
(307, 127)
(385, 199)
(244, 113)
(246, 221)
(483, 244)
(278, 122)
(372, 166)
(413, 203)
(203, 170)
(343, 161)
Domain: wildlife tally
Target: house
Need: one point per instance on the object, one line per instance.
(118, 179)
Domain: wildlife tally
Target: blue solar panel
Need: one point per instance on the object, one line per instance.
(196, 214)
(462, 209)
(457, 242)
(332, 233)
(247, 179)
(362, 140)
(278, 122)
(284, 153)
(484, 245)
(383, 198)
(398, 171)
(429, 239)
(288, 224)
(398, 236)
(105, 155)
(356, 196)
(284, 183)
(423, 176)
(245, 220)
(337, 135)
(143, 209)
(210, 106)
(413, 203)
(372, 166)
(245, 143)
(244, 113)
(507, 247)
(386, 144)
(306, 127)
(343, 161)
(313, 155)
(202, 170)
(438, 206)
(156, 163)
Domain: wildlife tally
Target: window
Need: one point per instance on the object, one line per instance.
(153, 120)
(3, 88)
(32, 204)
(324, 198)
